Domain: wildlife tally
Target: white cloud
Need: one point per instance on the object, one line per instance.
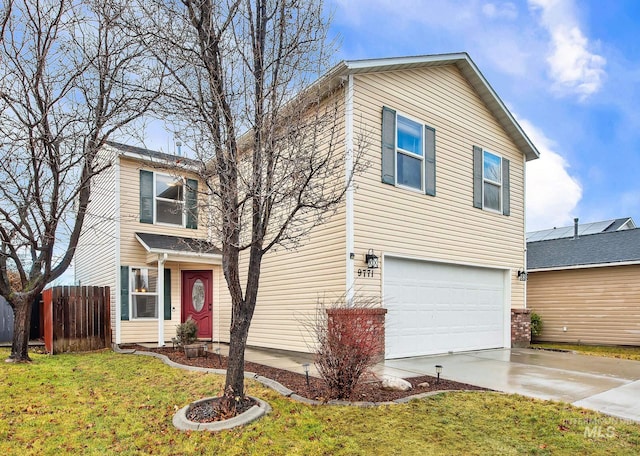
(572, 66)
(505, 10)
(552, 193)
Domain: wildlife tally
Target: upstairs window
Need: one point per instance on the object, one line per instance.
(168, 199)
(408, 153)
(490, 181)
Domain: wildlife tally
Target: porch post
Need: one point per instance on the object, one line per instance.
(160, 298)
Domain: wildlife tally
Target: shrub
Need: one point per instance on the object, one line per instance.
(536, 325)
(187, 332)
(347, 344)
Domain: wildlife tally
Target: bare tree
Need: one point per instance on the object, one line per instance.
(70, 77)
(269, 142)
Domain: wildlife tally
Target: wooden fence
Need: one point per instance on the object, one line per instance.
(76, 319)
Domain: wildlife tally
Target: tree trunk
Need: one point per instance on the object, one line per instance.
(234, 384)
(21, 329)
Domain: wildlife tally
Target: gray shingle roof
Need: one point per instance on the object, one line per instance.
(177, 244)
(600, 248)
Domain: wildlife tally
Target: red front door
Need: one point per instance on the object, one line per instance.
(197, 302)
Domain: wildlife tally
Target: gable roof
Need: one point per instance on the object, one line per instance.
(601, 249)
(468, 69)
(161, 243)
(153, 156)
(624, 223)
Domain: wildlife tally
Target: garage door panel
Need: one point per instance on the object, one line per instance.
(435, 307)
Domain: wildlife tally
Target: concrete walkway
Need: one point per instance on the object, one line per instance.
(607, 385)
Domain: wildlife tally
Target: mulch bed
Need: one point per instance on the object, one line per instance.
(367, 391)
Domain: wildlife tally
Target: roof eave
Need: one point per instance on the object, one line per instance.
(470, 71)
(584, 266)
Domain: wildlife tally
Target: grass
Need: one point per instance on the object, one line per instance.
(104, 403)
(596, 350)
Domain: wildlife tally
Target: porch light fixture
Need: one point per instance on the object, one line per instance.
(305, 366)
(438, 372)
(371, 259)
(522, 276)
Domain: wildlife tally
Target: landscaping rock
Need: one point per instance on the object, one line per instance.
(395, 383)
(423, 385)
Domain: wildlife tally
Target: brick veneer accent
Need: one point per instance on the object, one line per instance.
(371, 318)
(520, 327)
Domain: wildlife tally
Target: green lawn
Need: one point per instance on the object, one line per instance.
(104, 403)
(596, 350)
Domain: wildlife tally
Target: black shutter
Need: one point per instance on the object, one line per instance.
(477, 177)
(192, 203)
(429, 161)
(506, 203)
(146, 196)
(167, 294)
(124, 292)
(388, 146)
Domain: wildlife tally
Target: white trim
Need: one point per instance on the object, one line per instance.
(118, 284)
(349, 197)
(586, 266)
(172, 255)
(506, 335)
(440, 260)
(524, 235)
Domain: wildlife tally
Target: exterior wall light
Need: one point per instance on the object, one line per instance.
(522, 276)
(371, 259)
(438, 371)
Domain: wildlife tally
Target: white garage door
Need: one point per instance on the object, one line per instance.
(438, 307)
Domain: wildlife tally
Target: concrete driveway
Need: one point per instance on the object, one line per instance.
(608, 385)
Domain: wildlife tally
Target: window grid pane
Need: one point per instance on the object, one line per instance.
(492, 168)
(491, 196)
(410, 136)
(409, 171)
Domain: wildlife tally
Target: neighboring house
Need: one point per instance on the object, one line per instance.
(605, 226)
(440, 206)
(586, 288)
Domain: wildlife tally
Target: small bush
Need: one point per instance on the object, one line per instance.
(346, 346)
(536, 325)
(187, 332)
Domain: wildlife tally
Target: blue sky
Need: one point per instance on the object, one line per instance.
(568, 71)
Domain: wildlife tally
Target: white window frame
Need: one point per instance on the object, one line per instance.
(490, 181)
(408, 153)
(156, 198)
(133, 293)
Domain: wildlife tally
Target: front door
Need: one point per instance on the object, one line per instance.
(197, 302)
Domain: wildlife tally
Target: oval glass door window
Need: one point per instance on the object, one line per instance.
(197, 295)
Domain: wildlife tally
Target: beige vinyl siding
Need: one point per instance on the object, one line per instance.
(446, 227)
(596, 305)
(133, 254)
(293, 280)
(95, 256)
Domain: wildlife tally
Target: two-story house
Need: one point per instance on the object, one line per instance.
(439, 211)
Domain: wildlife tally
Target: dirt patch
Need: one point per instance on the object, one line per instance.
(368, 390)
(214, 409)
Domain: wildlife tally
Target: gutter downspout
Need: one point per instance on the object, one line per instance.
(118, 284)
(349, 168)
